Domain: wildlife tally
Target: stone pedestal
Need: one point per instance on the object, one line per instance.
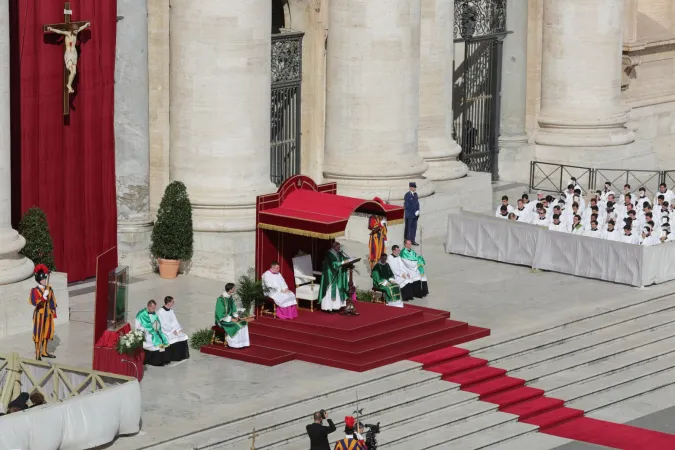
(582, 121)
(372, 106)
(515, 152)
(132, 148)
(220, 124)
(436, 145)
(13, 267)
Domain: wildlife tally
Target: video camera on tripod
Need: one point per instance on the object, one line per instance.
(371, 435)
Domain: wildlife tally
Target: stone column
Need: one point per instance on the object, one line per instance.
(582, 121)
(436, 144)
(158, 82)
(132, 148)
(372, 106)
(515, 152)
(13, 267)
(220, 121)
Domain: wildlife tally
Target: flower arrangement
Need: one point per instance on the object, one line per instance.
(130, 342)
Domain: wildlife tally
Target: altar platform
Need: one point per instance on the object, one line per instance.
(379, 336)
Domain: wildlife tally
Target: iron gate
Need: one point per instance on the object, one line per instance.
(285, 106)
(480, 29)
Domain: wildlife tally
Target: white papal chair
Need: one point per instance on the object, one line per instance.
(306, 286)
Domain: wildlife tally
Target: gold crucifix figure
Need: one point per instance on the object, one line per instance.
(253, 436)
(69, 30)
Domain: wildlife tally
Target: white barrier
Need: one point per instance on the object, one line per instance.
(519, 243)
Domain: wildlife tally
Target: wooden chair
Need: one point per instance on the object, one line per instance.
(265, 309)
(218, 335)
(305, 277)
(378, 296)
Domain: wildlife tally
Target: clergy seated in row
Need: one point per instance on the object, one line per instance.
(287, 305)
(384, 281)
(178, 341)
(334, 287)
(156, 343)
(227, 318)
(415, 263)
(410, 281)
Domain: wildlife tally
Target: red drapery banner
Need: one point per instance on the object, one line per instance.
(65, 164)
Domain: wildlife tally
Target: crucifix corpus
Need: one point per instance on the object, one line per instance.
(69, 30)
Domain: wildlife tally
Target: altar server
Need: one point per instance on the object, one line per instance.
(287, 305)
(334, 287)
(227, 318)
(43, 299)
(409, 282)
(178, 341)
(385, 282)
(416, 265)
(156, 343)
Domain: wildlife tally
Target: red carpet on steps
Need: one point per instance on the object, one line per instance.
(532, 407)
(380, 335)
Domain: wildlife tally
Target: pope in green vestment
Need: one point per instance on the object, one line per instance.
(334, 278)
(152, 327)
(226, 310)
(384, 280)
(410, 255)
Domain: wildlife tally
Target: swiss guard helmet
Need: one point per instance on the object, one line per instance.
(41, 272)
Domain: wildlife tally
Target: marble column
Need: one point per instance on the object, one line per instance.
(132, 148)
(436, 144)
(220, 121)
(13, 266)
(582, 121)
(372, 106)
(158, 82)
(515, 152)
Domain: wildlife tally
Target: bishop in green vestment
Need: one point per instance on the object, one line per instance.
(155, 340)
(227, 318)
(384, 281)
(334, 287)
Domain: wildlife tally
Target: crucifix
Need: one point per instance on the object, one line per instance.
(253, 436)
(69, 30)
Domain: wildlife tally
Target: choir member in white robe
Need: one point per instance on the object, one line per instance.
(577, 227)
(178, 341)
(593, 231)
(628, 193)
(668, 195)
(522, 211)
(611, 233)
(557, 225)
(287, 305)
(648, 239)
(534, 205)
(526, 202)
(542, 220)
(628, 237)
(509, 209)
(409, 282)
(641, 199)
(666, 235)
(503, 212)
(606, 191)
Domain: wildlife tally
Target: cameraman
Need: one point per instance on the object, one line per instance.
(318, 434)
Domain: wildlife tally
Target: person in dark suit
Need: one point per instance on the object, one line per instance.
(318, 433)
(412, 212)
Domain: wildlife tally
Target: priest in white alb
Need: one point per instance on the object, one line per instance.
(287, 305)
(409, 282)
(178, 341)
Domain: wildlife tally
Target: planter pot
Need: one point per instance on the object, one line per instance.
(168, 268)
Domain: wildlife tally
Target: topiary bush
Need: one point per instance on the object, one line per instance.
(172, 235)
(39, 247)
(200, 338)
(251, 291)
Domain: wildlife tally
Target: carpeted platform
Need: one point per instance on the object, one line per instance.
(380, 335)
(549, 414)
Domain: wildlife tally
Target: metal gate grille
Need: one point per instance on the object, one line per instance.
(480, 25)
(285, 106)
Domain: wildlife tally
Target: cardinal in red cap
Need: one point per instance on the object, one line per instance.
(350, 442)
(43, 299)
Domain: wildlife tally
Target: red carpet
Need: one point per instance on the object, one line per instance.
(530, 404)
(380, 335)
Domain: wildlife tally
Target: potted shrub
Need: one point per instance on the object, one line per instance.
(251, 292)
(39, 247)
(172, 235)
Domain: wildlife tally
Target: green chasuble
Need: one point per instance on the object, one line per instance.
(225, 307)
(333, 274)
(411, 255)
(151, 324)
(382, 273)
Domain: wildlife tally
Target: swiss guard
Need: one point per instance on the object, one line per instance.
(43, 299)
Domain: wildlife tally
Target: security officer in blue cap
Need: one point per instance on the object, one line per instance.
(412, 212)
